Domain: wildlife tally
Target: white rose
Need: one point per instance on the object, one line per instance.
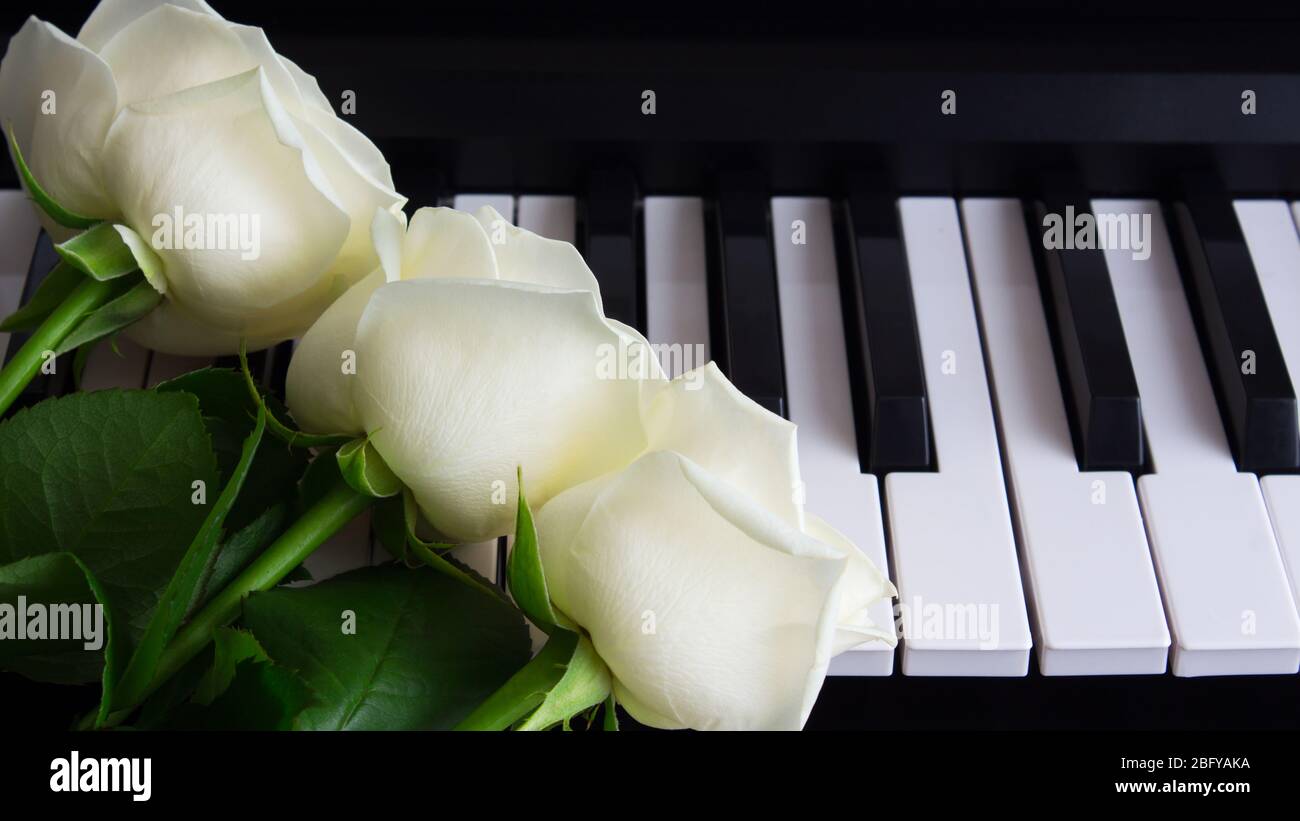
(714, 600)
(158, 106)
(473, 358)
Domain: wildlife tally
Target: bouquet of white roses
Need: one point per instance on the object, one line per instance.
(448, 377)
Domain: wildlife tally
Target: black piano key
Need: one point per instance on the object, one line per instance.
(1092, 355)
(887, 375)
(1251, 382)
(421, 178)
(744, 317)
(503, 560)
(259, 365)
(611, 244)
(277, 367)
(43, 386)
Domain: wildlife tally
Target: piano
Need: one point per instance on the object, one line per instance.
(1077, 455)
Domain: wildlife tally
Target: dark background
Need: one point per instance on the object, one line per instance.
(1108, 27)
(528, 96)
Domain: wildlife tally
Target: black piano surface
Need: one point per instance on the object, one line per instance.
(533, 98)
(529, 97)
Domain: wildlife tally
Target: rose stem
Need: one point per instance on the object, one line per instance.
(340, 505)
(15, 376)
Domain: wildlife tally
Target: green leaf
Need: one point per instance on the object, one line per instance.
(321, 476)
(230, 647)
(99, 253)
(62, 280)
(240, 548)
(185, 584)
(114, 315)
(567, 676)
(229, 414)
(611, 714)
(585, 683)
(260, 696)
(365, 470)
(524, 572)
(52, 579)
(56, 212)
(445, 564)
(108, 477)
(220, 392)
(173, 694)
(526, 689)
(425, 651)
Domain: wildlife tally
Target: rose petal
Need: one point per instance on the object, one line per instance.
(447, 244)
(704, 417)
(227, 150)
(710, 612)
(360, 197)
(461, 381)
(145, 257)
(171, 49)
(523, 256)
(277, 72)
(62, 148)
(863, 585)
(388, 232)
(362, 154)
(308, 88)
(171, 329)
(318, 391)
(111, 16)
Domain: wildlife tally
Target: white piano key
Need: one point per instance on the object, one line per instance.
(1282, 498)
(1274, 245)
(954, 555)
(124, 368)
(18, 231)
(676, 285)
(819, 402)
(548, 216)
(346, 550)
(1227, 598)
(164, 366)
(481, 557)
(503, 203)
(1084, 555)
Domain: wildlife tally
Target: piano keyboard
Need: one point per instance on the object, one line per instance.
(1043, 449)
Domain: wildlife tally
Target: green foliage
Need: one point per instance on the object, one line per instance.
(390, 647)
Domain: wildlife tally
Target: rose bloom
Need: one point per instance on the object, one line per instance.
(472, 358)
(714, 599)
(163, 112)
